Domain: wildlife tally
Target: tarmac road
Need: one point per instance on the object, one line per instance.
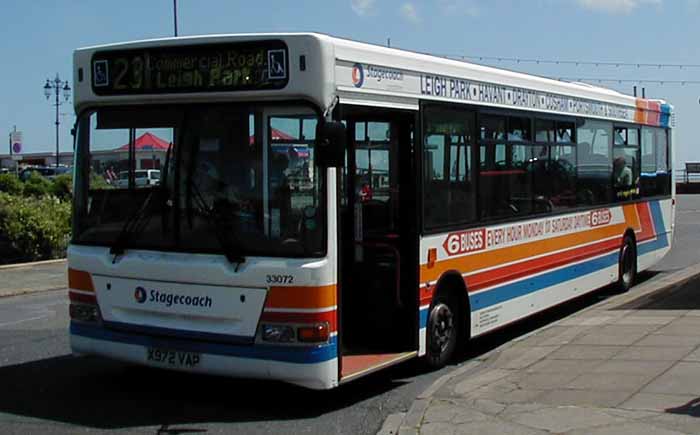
(45, 389)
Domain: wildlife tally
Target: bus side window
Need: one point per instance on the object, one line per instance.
(594, 163)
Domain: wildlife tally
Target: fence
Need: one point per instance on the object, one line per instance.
(688, 179)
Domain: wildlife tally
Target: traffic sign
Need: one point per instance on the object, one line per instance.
(16, 141)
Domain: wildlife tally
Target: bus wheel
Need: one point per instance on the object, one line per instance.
(442, 331)
(628, 264)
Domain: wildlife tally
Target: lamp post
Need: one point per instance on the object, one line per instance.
(175, 15)
(57, 87)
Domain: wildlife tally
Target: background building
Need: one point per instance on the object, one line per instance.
(150, 154)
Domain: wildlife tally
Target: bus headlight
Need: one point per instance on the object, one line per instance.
(278, 333)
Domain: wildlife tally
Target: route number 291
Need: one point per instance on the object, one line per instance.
(280, 279)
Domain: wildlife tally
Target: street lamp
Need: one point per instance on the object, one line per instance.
(57, 87)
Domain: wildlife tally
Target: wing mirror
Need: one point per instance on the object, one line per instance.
(331, 144)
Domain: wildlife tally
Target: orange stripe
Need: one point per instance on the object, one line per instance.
(302, 297)
(519, 252)
(631, 216)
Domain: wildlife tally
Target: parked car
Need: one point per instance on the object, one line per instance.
(49, 172)
(142, 178)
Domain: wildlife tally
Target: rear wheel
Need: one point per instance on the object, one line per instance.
(442, 331)
(627, 264)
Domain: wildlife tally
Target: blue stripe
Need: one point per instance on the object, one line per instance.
(531, 285)
(657, 217)
(291, 354)
(528, 286)
(661, 240)
(665, 117)
(423, 319)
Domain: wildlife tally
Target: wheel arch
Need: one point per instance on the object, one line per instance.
(452, 283)
(625, 281)
(629, 232)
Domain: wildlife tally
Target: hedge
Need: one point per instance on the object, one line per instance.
(35, 228)
(34, 217)
(11, 184)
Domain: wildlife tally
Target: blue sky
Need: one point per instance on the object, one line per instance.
(39, 37)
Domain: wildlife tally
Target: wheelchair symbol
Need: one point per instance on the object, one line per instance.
(101, 73)
(276, 64)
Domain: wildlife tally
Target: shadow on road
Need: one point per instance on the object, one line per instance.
(104, 394)
(683, 297)
(691, 408)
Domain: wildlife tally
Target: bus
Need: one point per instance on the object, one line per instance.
(327, 208)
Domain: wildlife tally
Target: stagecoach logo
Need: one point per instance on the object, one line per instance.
(153, 296)
(358, 75)
(378, 74)
(140, 295)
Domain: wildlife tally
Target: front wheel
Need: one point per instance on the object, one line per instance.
(442, 331)
(627, 264)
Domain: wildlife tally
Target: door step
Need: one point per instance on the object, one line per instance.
(355, 366)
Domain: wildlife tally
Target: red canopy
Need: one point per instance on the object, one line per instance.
(276, 135)
(148, 142)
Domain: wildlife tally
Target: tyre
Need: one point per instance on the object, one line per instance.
(442, 331)
(627, 272)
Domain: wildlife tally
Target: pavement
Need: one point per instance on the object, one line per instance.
(33, 277)
(627, 365)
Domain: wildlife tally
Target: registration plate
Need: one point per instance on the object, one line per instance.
(173, 358)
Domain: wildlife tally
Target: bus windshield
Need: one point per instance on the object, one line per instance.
(230, 180)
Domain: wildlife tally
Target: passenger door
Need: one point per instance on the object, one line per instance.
(378, 239)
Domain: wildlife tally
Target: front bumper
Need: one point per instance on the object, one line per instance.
(311, 367)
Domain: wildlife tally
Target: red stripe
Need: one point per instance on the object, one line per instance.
(328, 316)
(79, 297)
(518, 270)
(504, 172)
(529, 267)
(645, 221)
(426, 295)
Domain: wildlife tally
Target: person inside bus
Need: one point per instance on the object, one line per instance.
(622, 176)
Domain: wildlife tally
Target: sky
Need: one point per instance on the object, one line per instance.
(38, 39)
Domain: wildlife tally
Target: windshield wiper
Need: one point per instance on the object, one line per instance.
(219, 215)
(133, 225)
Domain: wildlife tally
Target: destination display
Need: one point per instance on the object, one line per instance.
(195, 68)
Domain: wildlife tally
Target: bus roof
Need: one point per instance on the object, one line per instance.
(368, 74)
